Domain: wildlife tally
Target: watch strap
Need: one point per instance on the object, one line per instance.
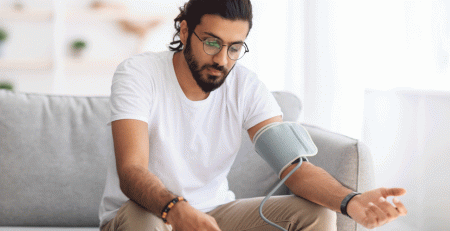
(347, 199)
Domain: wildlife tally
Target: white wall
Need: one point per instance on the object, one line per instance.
(270, 54)
(408, 133)
(353, 45)
(49, 40)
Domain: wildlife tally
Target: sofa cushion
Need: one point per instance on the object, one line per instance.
(52, 152)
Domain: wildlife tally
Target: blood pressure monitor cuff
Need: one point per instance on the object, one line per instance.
(282, 144)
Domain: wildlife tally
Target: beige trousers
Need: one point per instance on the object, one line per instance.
(290, 212)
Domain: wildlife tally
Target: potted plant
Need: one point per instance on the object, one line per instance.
(3, 37)
(78, 46)
(18, 5)
(7, 86)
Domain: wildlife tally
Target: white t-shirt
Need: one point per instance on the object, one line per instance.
(192, 143)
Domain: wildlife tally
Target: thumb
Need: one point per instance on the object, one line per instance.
(395, 192)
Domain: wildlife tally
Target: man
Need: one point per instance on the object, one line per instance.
(176, 122)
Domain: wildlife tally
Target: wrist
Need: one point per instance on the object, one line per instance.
(172, 209)
(346, 202)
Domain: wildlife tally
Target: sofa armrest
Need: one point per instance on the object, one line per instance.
(348, 160)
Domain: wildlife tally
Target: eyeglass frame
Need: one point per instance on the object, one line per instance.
(228, 49)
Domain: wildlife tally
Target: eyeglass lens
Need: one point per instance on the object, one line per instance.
(213, 46)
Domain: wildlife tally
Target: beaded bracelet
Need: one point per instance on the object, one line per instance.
(169, 206)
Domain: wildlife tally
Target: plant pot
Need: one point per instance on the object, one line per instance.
(77, 53)
(1, 48)
(7, 86)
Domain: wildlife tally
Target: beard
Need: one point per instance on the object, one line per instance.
(207, 83)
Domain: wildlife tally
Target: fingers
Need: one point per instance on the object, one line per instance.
(375, 216)
(395, 192)
(383, 212)
(399, 207)
(372, 219)
(381, 215)
(390, 212)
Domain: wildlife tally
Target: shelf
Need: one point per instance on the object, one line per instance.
(73, 64)
(62, 70)
(108, 15)
(26, 64)
(78, 15)
(26, 15)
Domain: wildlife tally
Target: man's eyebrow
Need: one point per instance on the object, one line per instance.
(217, 37)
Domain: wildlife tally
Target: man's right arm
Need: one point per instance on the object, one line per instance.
(131, 146)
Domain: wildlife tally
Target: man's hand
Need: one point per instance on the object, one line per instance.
(371, 209)
(184, 217)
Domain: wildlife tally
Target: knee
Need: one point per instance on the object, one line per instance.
(131, 210)
(317, 218)
(132, 216)
(324, 215)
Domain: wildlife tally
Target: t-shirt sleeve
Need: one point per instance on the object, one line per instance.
(260, 104)
(131, 92)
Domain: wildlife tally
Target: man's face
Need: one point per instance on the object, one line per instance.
(210, 71)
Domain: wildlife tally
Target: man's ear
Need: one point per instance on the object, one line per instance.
(184, 32)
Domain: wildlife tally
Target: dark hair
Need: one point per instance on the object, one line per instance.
(194, 10)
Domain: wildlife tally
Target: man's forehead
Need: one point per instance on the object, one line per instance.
(225, 29)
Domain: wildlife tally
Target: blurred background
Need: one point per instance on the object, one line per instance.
(378, 71)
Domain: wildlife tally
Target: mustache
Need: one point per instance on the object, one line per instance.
(214, 66)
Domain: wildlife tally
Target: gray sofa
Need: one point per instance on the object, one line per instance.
(53, 151)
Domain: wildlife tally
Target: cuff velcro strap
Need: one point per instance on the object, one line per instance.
(169, 206)
(345, 202)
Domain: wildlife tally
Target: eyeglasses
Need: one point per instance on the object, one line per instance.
(213, 46)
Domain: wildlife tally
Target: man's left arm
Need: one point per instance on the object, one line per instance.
(369, 209)
(310, 182)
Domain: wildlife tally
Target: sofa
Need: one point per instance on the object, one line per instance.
(53, 151)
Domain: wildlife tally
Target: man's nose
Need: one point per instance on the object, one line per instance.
(221, 58)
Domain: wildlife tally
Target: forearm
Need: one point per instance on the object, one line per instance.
(316, 185)
(144, 188)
